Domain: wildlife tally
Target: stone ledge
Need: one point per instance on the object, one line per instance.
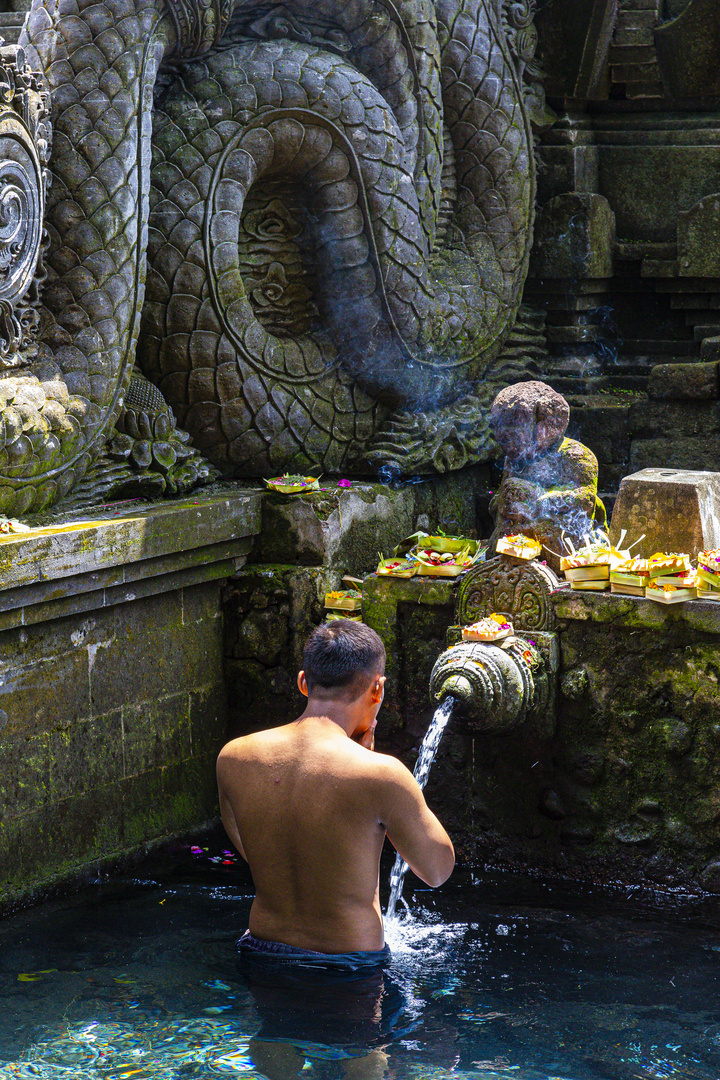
(684, 381)
(75, 596)
(127, 537)
(635, 612)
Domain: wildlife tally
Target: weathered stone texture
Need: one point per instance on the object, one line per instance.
(654, 791)
(680, 453)
(674, 510)
(114, 701)
(626, 788)
(340, 527)
(684, 381)
(345, 528)
(270, 611)
(101, 775)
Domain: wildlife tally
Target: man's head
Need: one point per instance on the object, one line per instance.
(341, 658)
(343, 670)
(528, 418)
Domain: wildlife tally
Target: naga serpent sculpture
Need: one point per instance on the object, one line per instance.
(384, 146)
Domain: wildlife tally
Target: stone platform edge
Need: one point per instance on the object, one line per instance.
(113, 555)
(635, 612)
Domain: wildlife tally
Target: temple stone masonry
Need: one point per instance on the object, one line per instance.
(240, 242)
(112, 694)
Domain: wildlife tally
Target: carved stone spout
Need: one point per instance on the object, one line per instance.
(497, 687)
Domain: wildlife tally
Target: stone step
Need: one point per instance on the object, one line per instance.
(636, 73)
(641, 36)
(637, 54)
(711, 330)
(697, 308)
(636, 383)
(11, 23)
(639, 5)
(628, 20)
(635, 91)
(710, 348)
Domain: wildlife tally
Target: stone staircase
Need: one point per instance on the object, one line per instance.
(634, 68)
(12, 17)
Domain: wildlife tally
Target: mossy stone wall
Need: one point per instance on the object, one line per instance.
(112, 693)
(627, 788)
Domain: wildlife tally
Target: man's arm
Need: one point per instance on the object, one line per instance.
(412, 828)
(226, 811)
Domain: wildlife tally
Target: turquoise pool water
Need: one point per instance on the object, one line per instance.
(493, 977)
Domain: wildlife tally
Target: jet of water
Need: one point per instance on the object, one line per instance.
(429, 747)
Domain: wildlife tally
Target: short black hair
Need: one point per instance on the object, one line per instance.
(339, 651)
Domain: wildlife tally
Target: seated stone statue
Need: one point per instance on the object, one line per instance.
(549, 483)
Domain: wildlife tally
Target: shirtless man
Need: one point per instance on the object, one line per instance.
(309, 804)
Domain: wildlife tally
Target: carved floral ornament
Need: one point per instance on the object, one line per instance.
(519, 589)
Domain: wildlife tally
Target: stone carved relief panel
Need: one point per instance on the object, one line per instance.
(404, 165)
(515, 587)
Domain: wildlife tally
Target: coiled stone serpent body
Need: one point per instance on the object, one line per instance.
(358, 115)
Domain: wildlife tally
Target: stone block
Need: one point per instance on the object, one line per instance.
(684, 381)
(42, 687)
(574, 238)
(677, 510)
(155, 733)
(687, 49)
(650, 178)
(189, 794)
(710, 348)
(208, 719)
(24, 772)
(143, 811)
(699, 239)
(184, 656)
(450, 502)
(262, 635)
(201, 603)
(343, 528)
(676, 454)
(673, 419)
(86, 755)
(566, 168)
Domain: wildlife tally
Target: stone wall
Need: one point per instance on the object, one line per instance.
(625, 264)
(305, 545)
(627, 786)
(270, 612)
(112, 696)
(675, 426)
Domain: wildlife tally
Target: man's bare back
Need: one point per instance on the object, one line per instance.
(308, 805)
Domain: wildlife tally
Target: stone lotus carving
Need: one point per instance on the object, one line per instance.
(399, 138)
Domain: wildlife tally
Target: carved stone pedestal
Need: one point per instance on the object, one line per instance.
(675, 509)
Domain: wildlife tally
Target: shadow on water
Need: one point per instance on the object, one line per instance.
(492, 977)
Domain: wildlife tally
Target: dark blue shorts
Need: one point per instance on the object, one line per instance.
(276, 956)
(325, 999)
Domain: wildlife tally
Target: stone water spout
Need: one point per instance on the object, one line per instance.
(497, 687)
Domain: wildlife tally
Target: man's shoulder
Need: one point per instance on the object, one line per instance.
(248, 745)
(386, 768)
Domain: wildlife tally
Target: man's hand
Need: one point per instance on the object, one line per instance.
(366, 738)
